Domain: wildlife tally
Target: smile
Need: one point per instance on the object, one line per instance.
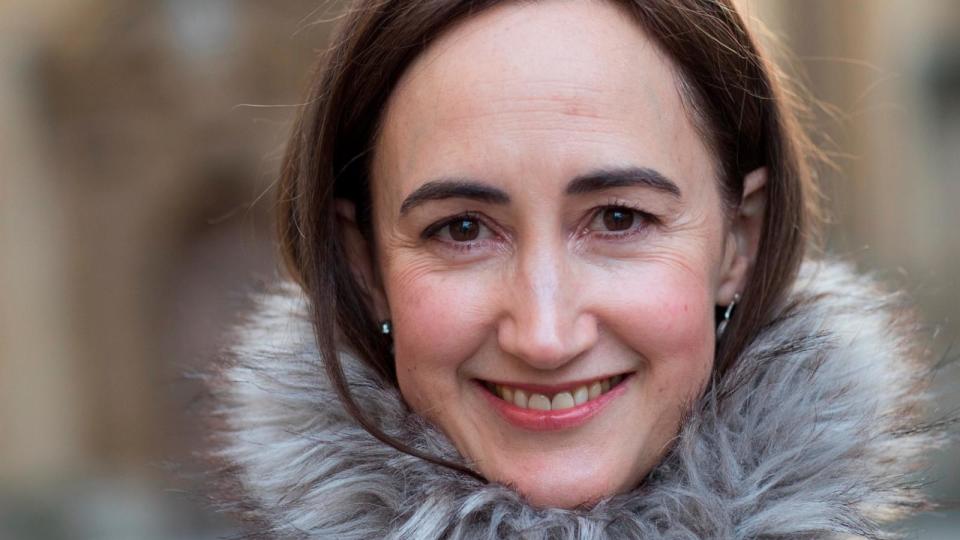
(556, 401)
(541, 408)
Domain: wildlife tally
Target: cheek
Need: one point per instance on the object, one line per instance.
(439, 321)
(666, 316)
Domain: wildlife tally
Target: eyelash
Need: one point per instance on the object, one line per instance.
(435, 228)
(646, 219)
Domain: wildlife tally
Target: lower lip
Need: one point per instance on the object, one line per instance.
(534, 420)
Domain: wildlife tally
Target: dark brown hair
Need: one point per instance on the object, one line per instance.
(732, 92)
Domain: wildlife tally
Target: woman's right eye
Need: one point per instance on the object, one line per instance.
(461, 229)
(464, 229)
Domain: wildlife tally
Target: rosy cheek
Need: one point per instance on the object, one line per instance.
(431, 309)
(680, 321)
(685, 348)
(439, 322)
(666, 317)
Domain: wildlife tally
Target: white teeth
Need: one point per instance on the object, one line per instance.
(595, 390)
(539, 402)
(563, 400)
(581, 395)
(520, 398)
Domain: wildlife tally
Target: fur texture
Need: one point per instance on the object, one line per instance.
(816, 433)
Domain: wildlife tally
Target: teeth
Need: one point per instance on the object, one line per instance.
(595, 390)
(520, 398)
(563, 400)
(581, 395)
(560, 401)
(539, 402)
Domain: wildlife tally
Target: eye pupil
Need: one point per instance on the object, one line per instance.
(617, 219)
(464, 230)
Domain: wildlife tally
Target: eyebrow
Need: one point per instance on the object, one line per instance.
(622, 177)
(449, 188)
(598, 180)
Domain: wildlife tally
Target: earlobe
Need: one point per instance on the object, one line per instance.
(743, 240)
(359, 253)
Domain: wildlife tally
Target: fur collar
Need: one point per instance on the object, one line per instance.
(814, 434)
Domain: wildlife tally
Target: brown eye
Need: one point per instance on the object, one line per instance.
(617, 219)
(464, 230)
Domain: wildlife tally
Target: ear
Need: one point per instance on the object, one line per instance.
(360, 257)
(743, 237)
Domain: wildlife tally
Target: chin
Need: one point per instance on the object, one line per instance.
(567, 485)
(563, 497)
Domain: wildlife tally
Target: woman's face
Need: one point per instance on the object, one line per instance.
(550, 245)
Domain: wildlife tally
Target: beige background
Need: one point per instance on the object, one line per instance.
(138, 144)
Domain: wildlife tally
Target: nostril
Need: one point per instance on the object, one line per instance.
(543, 351)
(540, 349)
(547, 344)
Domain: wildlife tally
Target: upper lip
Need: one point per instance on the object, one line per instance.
(554, 388)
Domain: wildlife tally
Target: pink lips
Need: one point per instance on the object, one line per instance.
(535, 420)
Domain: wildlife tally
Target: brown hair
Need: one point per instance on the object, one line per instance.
(731, 89)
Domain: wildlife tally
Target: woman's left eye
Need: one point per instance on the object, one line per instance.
(617, 219)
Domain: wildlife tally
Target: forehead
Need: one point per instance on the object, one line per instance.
(569, 84)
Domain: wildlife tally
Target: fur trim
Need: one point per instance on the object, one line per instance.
(815, 433)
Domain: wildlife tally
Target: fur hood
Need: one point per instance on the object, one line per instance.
(815, 433)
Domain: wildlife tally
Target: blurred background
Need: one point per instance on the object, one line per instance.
(138, 144)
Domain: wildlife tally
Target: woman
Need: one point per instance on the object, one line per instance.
(548, 283)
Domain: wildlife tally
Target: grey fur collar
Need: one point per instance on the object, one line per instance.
(815, 434)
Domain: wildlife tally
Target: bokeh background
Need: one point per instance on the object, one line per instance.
(139, 141)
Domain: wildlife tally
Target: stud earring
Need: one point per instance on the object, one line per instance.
(726, 315)
(386, 327)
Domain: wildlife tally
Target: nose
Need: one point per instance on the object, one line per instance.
(544, 322)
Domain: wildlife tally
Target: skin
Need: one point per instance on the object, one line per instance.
(523, 98)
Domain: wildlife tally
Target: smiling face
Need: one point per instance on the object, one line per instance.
(550, 245)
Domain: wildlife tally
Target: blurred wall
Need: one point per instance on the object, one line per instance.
(884, 93)
(135, 200)
(134, 210)
(885, 82)
(884, 85)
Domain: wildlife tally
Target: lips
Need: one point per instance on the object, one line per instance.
(540, 408)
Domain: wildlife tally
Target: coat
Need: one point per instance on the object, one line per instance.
(816, 432)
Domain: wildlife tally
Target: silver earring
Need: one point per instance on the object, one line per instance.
(726, 315)
(386, 327)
